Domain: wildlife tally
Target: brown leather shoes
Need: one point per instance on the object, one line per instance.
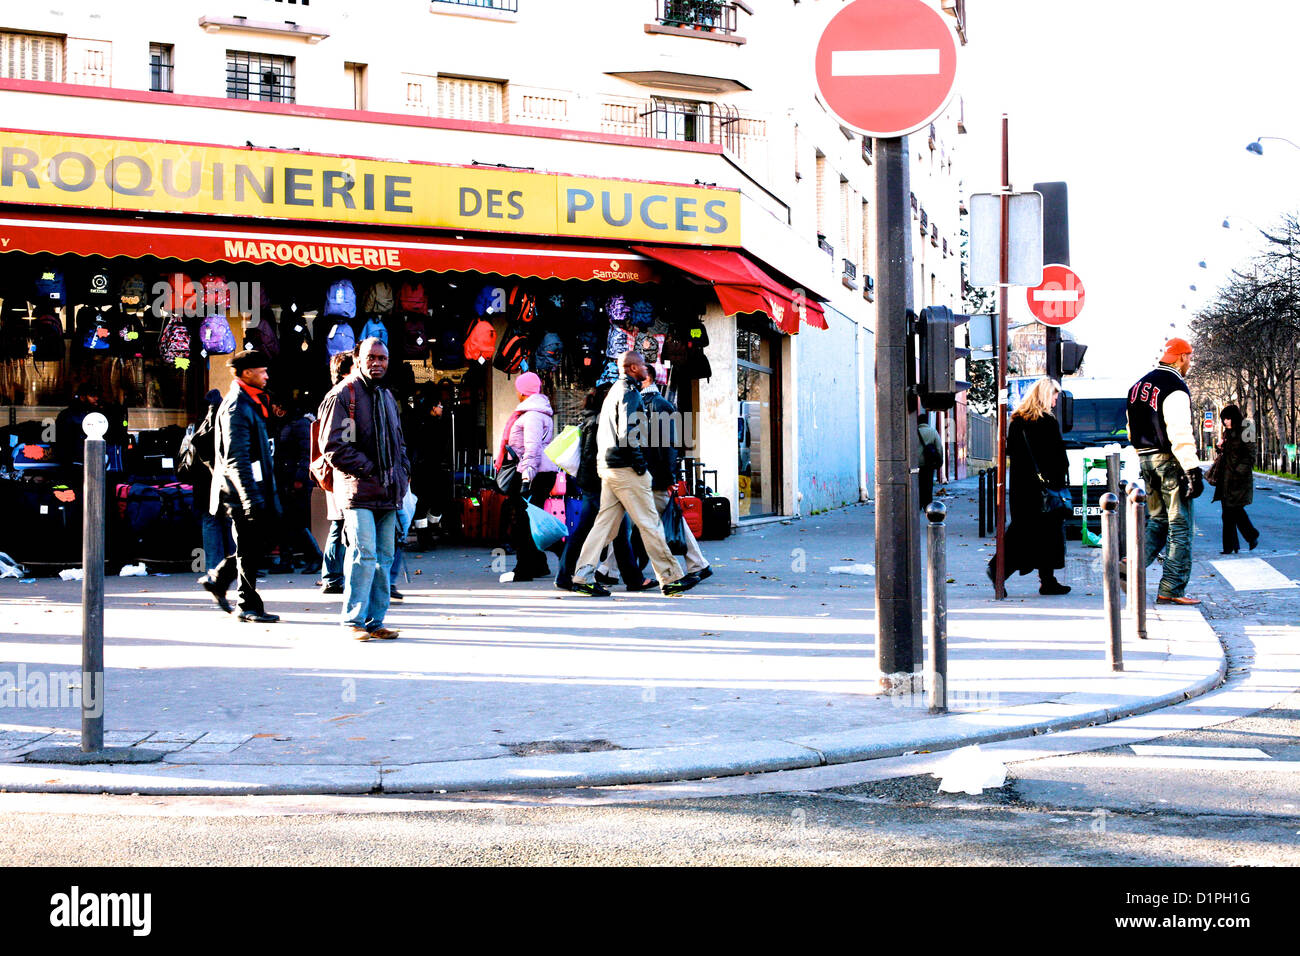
(360, 633)
(383, 634)
(1162, 599)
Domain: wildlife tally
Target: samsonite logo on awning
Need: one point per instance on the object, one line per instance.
(71, 171)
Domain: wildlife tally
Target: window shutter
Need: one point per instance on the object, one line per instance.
(821, 194)
(480, 100)
(26, 56)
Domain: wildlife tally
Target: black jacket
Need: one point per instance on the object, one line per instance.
(1035, 540)
(293, 456)
(661, 449)
(243, 476)
(1233, 471)
(351, 447)
(587, 478)
(623, 427)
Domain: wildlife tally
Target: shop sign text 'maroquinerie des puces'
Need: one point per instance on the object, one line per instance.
(142, 176)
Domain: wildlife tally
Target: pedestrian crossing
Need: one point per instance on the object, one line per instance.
(1253, 574)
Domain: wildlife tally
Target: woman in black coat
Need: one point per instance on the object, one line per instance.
(1233, 477)
(1034, 540)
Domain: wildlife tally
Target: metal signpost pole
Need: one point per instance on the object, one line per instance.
(897, 520)
(1004, 281)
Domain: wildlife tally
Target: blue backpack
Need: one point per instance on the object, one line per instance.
(95, 331)
(375, 329)
(341, 339)
(341, 299)
(490, 299)
(549, 353)
(49, 285)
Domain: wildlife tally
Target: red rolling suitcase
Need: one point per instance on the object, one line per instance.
(693, 513)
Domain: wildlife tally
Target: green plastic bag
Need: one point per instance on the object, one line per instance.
(566, 449)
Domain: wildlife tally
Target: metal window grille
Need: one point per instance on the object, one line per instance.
(510, 6)
(691, 121)
(711, 16)
(259, 76)
(160, 67)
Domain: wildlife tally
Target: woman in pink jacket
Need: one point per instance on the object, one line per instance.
(530, 429)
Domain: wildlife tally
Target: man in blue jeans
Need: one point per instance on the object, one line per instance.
(364, 448)
(1160, 429)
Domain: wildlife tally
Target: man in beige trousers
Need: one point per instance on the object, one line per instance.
(622, 431)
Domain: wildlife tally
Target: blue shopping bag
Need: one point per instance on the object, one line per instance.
(547, 529)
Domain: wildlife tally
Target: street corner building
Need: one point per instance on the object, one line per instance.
(492, 187)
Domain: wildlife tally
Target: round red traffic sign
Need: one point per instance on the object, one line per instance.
(887, 67)
(1058, 299)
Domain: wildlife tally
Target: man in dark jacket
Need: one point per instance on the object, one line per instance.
(661, 456)
(243, 485)
(362, 433)
(621, 436)
(1160, 429)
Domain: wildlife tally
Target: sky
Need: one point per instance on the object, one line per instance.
(1144, 108)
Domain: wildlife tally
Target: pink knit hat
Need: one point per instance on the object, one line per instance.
(528, 384)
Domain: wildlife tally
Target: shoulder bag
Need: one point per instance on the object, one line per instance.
(1057, 503)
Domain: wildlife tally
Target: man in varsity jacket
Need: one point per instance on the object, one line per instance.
(1160, 430)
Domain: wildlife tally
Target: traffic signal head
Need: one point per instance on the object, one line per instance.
(1071, 356)
(938, 384)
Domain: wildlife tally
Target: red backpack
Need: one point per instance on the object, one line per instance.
(481, 343)
(412, 297)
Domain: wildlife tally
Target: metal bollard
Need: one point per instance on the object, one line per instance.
(92, 586)
(1122, 495)
(1110, 572)
(1137, 569)
(981, 503)
(937, 585)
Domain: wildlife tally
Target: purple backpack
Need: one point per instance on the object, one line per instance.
(216, 336)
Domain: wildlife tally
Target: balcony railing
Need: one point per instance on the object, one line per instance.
(509, 6)
(716, 123)
(708, 16)
(850, 269)
(825, 246)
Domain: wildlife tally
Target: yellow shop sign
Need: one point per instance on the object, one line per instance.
(88, 172)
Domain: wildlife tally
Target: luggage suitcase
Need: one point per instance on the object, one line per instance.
(717, 518)
(693, 511)
(42, 528)
(471, 519)
(158, 523)
(554, 505)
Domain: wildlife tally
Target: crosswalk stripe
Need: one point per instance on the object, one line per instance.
(1253, 574)
(1195, 751)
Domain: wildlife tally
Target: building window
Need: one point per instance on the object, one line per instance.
(160, 67)
(463, 98)
(356, 77)
(258, 76)
(26, 56)
(686, 121)
(510, 6)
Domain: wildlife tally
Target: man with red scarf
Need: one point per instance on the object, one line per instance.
(243, 483)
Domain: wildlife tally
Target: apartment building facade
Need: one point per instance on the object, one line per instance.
(667, 150)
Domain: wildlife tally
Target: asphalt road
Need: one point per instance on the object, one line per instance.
(1229, 795)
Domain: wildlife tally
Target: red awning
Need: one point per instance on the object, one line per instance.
(305, 246)
(742, 285)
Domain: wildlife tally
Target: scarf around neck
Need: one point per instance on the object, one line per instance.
(257, 395)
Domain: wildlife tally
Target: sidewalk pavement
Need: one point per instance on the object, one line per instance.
(769, 665)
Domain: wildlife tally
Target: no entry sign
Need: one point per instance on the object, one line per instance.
(886, 67)
(1058, 299)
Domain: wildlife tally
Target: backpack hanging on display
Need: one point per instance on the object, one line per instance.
(412, 298)
(295, 336)
(618, 342)
(617, 309)
(491, 300)
(99, 283)
(262, 336)
(341, 300)
(51, 287)
(128, 336)
(374, 329)
(341, 339)
(512, 352)
(642, 313)
(414, 336)
(95, 333)
(648, 345)
(379, 299)
(175, 345)
(549, 354)
(588, 313)
(47, 338)
(216, 293)
(609, 373)
(216, 336)
(481, 343)
(133, 290)
(586, 354)
(182, 295)
(521, 306)
(447, 349)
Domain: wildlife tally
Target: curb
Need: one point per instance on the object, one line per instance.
(659, 764)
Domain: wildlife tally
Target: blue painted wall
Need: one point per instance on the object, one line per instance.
(828, 414)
